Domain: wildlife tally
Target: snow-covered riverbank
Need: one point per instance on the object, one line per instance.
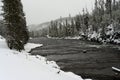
(21, 66)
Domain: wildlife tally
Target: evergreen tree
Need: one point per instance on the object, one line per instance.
(109, 7)
(114, 5)
(17, 33)
(78, 23)
(86, 21)
(51, 29)
(60, 30)
(55, 29)
(72, 28)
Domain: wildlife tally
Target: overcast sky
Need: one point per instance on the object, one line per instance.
(39, 11)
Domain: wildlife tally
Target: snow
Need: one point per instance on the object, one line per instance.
(69, 37)
(75, 37)
(94, 35)
(16, 65)
(96, 46)
(110, 30)
(30, 46)
(114, 68)
(108, 37)
(117, 41)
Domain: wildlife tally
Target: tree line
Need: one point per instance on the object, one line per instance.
(105, 13)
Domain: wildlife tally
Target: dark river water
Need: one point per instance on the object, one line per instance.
(88, 59)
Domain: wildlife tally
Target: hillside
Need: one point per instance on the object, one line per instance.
(35, 27)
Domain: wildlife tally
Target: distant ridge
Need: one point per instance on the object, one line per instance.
(45, 25)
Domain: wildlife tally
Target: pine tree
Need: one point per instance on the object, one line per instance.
(78, 23)
(102, 7)
(60, 30)
(109, 7)
(114, 5)
(51, 28)
(55, 29)
(72, 27)
(96, 7)
(17, 33)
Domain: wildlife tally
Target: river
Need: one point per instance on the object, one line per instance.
(88, 59)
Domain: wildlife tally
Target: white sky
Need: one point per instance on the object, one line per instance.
(39, 11)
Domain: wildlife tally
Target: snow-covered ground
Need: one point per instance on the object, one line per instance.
(30, 46)
(75, 37)
(16, 65)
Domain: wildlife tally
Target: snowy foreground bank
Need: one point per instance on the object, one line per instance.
(16, 65)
